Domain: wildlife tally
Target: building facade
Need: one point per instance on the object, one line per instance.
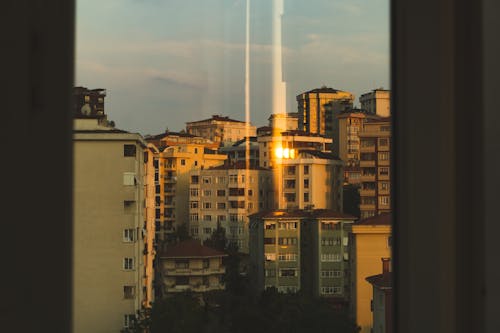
(317, 107)
(377, 102)
(238, 152)
(304, 250)
(375, 152)
(371, 241)
(189, 265)
(222, 130)
(226, 195)
(382, 299)
(110, 278)
(284, 121)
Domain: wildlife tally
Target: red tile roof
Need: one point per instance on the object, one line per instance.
(191, 249)
(381, 219)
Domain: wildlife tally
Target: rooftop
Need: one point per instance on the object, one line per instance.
(381, 219)
(319, 154)
(323, 89)
(191, 248)
(216, 117)
(383, 281)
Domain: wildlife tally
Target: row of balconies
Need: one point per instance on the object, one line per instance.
(193, 271)
(194, 288)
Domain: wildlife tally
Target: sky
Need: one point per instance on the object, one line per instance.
(167, 62)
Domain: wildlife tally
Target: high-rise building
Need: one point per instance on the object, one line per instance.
(225, 196)
(375, 150)
(377, 102)
(305, 250)
(173, 165)
(371, 241)
(221, 130)
(317, 109)
(110, 277)
(308, 179)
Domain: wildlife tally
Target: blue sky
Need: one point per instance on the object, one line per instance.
(166, 62)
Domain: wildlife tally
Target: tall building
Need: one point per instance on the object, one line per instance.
(225, 195)
(371, 241)
(270, 145)
(172, 178)
(237, 152)
(305, 250)
(110, 280)
(375, 150)
(377, 102)
(317, 108)
(309, 179)
(222, 130)
(191, 266)
(346, 142)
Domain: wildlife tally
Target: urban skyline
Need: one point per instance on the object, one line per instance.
(159, 65)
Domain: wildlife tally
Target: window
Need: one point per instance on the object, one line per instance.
(383, 156)
(306, 183)
(182, 280)
(193, 217)
(383, 171)
(194, 231)
(250, 192)
(194, 192)
(384, 200)
(250, 205)
(331, 290)
(330, 257)
(288, 272)
(128, 264)
(233, 217)
(271, 272)
(290, 197)
(290, 170)
(289, 183)
(327, 225)
(270, 225)
(207, 193)
(193, 204)
(129, 235)
(207, 180)
(269, 240)
(128, 320)
(195, 179)
(129, 150)
(331, 273)
(287, 225)
(207, 205)
(183, 162)
(221, 193)
(287, 257)
(233, 179)
(306, 197)
(128, 292)
(330, 241)
(207, 218)
(206, 263)
(221, 205)
(287, 241)
(270, 256)
(129, 178)
(221, 218)
(182, 263)
(196, 150)
(207, 231)
(384, 186)
(221, 180)
(306, 169)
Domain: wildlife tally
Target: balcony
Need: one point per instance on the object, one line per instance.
(367, 206)
(369, 149)
(194, 288)
(367, 164)
(368, 178)
(193, 271)
(366, 193)
(170, 180)
(384, 177)
(384, 163)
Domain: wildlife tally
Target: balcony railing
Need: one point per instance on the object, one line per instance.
(193, 271)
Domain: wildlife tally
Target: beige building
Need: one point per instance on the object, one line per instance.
(174, 164)
(282, 144)
(284, 121)
(226, 195)
(189, 265)
(221, 130)
(317, 107)
(375, 151)
(311, 179)
(377, 102)
(306, 250)
(170, 138)
(371, 241)
(110, 279)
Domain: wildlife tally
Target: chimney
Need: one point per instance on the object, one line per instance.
(386, 265)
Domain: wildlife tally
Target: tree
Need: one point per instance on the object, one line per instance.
(218, 239)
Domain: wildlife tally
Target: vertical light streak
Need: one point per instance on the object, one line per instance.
(247, 87)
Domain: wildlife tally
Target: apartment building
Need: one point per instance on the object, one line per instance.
(110, 278)
(169, 138)
(222, 130)
(377, 102)
(225, 195)
(189, 265)
(306, 250)
(237, 152)
(284, 121)
(370, 243)
(317, 108)
(375, 151)
(309, 179)
(172, 180)
(271, 146)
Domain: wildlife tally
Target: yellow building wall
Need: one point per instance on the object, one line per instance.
(371, 244)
